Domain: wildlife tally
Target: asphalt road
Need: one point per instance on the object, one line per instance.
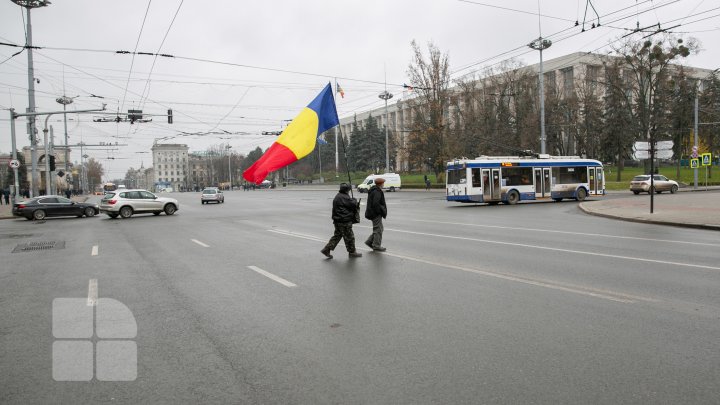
(534, 303)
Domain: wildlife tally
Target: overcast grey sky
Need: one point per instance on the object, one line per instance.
(245, 66)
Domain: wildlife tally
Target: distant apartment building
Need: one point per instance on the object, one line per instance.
(562, 75)
(170, 167)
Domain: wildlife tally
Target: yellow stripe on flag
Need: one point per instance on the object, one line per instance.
(300, 135)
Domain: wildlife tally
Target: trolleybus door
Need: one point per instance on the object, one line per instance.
(595, 181)
(491, 184)
(542, 182)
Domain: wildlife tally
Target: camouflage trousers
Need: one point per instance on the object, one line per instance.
(343, 230)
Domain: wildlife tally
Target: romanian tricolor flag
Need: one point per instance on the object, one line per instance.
(340, 90)
(298, 139)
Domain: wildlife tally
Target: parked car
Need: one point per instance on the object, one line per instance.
(212, 194)
(128, 202)
(53, 206)
(660, 183)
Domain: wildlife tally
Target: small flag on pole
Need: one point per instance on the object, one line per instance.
(340, 90)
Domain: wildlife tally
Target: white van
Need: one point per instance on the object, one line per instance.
(392, 182)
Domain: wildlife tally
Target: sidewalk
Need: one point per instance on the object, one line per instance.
(688, 208)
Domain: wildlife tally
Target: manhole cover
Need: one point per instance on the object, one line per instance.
(43, 245)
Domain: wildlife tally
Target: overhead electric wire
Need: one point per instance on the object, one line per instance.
(132, 62)
(513, 9)
(147, 83)
(562, 31)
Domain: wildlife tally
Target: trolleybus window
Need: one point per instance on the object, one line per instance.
(456, 176)
(569, 175)
(518, 176)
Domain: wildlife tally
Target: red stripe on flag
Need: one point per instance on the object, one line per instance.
(276, 157)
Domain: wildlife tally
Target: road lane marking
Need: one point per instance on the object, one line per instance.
(94, 251)
(199, 243)
(599, 235)
(592, 292)
(580, 252)
(272, 276)
(92, 292)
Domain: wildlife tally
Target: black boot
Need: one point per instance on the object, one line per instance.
(326, 252)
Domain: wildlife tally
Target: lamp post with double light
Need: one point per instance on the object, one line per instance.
(386, 96)
(541, 44)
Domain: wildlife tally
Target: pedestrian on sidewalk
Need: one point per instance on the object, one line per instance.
(343, 214)
(6, 193)
(375, 211)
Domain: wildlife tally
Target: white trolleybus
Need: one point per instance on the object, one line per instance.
(495, 179)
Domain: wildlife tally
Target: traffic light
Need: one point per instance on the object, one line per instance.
(169, 116)
(52, 163)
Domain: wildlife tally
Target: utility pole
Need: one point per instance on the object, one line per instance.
(540, 44)
(229, 170)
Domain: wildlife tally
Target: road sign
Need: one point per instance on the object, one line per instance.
(663, 145)
(694, 153)
(694, 163)
(641, 146)
(664, 154)
(641, 154)
(14, 163)
(706, 159)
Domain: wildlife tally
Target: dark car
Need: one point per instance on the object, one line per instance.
(53, 206)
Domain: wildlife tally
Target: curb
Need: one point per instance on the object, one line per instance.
(649, 221)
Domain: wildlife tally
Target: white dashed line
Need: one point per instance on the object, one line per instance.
(272, 276)
(94, 251)
(92, 292)
(199, 243)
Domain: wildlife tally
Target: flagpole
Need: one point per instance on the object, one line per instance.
(337, 160)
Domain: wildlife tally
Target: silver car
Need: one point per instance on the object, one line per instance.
(212, 194)
(128, 202)
(660, 183)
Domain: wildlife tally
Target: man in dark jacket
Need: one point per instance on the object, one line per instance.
(343, 214)
(375, 211)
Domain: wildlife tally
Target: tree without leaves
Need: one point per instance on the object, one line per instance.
(95, 171)
(647, 65)
(428, 137)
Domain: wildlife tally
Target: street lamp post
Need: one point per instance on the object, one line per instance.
(29, 4)
(386, 96)
(65, 101)
(540, 44)
(229, 170)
